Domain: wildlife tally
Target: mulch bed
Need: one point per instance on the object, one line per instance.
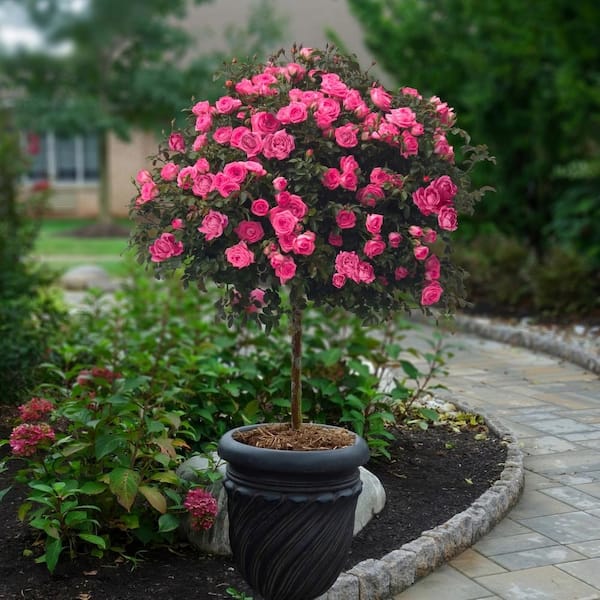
(432, 476)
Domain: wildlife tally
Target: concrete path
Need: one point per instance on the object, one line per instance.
(548, 547)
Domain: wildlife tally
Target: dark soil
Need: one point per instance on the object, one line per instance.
(432, 476)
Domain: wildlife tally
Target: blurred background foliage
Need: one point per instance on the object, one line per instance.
(524, 78)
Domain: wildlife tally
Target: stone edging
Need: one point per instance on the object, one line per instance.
(381, 579)
(540, 342)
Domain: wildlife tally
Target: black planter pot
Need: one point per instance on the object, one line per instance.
(291, 514)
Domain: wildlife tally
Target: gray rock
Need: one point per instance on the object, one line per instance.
(85, 277)
(216, 540)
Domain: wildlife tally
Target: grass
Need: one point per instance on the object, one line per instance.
(56, 247)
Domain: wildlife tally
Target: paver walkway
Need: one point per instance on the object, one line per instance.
(548, 547)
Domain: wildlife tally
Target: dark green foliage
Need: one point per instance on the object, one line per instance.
(28, 316)
(524, 78)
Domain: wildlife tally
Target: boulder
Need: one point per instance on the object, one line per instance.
(85, 277)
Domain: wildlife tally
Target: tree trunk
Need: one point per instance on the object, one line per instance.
(296, 387)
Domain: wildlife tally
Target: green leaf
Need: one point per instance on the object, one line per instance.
(91, 488)
(106, 444)
(410, 369)
(124, 484)
(154, 497)
(4, 492)
(53, 550)
(76, 516)
(167, 523)
(23, 510)
(93, 539)
(429, 413)
(74, 448)
(130, 521)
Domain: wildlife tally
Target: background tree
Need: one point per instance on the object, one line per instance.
(121, 66)
(525, 80)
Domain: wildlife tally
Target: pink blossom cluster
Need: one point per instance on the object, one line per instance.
(295, 172)
(202, 507)
(35, 409)
(25, 439)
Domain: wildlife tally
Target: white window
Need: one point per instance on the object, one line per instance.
(63, 159)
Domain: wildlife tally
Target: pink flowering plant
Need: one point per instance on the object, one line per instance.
(310, 178)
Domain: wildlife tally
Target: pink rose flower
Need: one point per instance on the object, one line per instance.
(331, 178)
(427, 200)
(374, 248)
(286, 269)
(199, 142)
(445, 188)
(415, 231)
(338, 280)
(346, 135)
(250, 231)
(374, 223)
(245, 87)
(335, 239)
(332, 85)
(366, 273)
(448, 218)
(213, 225)
(165, 247)
(286, 241)
(225, 185)
(222, 135)
(370, 195)
(169, 171)
(421, 252)
(259, 207)
(282, 220)
(203, 185)
(247, 141)
(297, 206)
(304, 244)
(394, 239)
(235, 171)
(348, 163)
(400, 273)
(295, 112)
(431, 293)
(186, 177)
(203, 122)
(226, 105)
(381, 98)
(349, 180)
(347, 263)
(403, 117)
(410, 145)
(280, 183)
(255, 167)
(278, 145)
(328, 110)
(202, 165)
(176, 142)
(345, 219)
(239, 256)
(378, 176)
(432, 268)
(201, 107)
(177, 223)
(143, 176)
(264, 123)
(409, 91)
(148, 192)
(429, 236)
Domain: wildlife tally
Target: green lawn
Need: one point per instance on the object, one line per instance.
(61, 250)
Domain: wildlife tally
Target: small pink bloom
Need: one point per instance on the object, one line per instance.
(250, 231)
(225, 185)
(226, 105)
(409, 91)
(165, 247)
(259, 207)
(338, 280)
(366, 273)
(203, 185)
(177, 223)
(374, 223)
(448, 218)
(431, 293)
(282, 220)
(347, 263)
(370, 195)
(432, 268)
(345, 219)
(332, 85)
(445, 188)
(255, 167)
(222, 135)
(239, 256)
(349, 180)
(202, 507)
(415, 231)
(400, 273)
(245, 88)
(348, 163)
(264, 123)
(213, 225)
(235, 171)
(257, 296)
(331, 178)
(421, 252)
(286, 241)
(169, 171)
(286, 269)
(429, 236)
(374, 248)
(35, 409)
(203, 122)
(25, 439)
(403, 117)
(185, 177)
(280, 183)
(278, 145)
(201, 108)
(394, 239)
(295, 112)
(378, 176)
(304, 244)
(149, 191)
(410, 145)
(297, 206)
(176, 142)
(143, 176)
(335, 239)
(381, 98)
(346, 135)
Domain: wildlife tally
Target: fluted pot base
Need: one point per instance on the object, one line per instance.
(291, 515)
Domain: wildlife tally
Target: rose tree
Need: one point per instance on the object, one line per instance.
(308, 176)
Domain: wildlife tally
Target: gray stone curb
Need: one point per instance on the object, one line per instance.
(382, 579)
(516, 336)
